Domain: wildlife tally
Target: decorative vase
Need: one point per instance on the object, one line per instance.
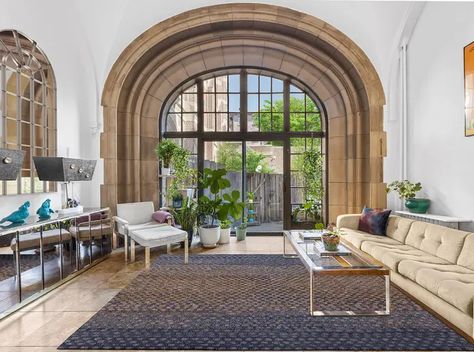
(209, 236)
(225, 236)
(330, 242)
(241, 234)
(417, 205)
(165, 171)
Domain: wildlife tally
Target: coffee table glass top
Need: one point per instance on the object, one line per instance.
(305, 249)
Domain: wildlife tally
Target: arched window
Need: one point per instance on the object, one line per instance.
(27, 108)
(258, 126)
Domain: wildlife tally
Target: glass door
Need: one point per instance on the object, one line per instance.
(264, 185)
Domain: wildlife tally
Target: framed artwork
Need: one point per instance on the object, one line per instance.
(469, 89)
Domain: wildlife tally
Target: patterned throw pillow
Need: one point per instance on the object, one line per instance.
(374, 221)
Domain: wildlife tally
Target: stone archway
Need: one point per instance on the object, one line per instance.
(258, 36)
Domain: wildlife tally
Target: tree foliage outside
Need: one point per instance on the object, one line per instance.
(304, 117)
(230, 157)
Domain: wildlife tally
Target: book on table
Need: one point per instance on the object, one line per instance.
(310, 235)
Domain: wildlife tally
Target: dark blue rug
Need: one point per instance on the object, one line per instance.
(255, 302)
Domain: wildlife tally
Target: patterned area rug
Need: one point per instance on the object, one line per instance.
(255, 302)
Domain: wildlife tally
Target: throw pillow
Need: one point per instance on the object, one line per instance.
(374, 221)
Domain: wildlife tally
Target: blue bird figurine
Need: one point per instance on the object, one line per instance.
(45, 210)
(19, 216)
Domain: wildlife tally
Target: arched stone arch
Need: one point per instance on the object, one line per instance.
(257, 36)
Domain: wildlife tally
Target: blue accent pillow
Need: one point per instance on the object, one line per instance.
(374, 221)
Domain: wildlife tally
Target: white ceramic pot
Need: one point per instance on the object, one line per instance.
(225, 236)
(209, 236)
(165, 171)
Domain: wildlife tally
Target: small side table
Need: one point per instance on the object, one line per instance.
(448, 221)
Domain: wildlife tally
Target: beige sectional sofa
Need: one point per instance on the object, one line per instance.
(433, 263)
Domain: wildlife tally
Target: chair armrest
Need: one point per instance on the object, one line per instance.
(349, 221)
(120, 223)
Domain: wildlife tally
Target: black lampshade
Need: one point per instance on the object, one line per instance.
(64, 169)
(10, 163)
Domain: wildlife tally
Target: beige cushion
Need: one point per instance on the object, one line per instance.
(454, 288)
(440, 241)
(466, 258)
(356, 238)
(398, 227)
(136, 213)
(392, 254)
(32, 240)
(409, 268)
(459, 293)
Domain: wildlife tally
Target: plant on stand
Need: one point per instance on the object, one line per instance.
(407, 190)
(186, 216)
(184, 175)
(165, 150)
(311, 165)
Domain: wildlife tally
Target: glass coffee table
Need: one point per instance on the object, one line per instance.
(356, 263)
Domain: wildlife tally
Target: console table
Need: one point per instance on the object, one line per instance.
(42, 272)
(448, 221)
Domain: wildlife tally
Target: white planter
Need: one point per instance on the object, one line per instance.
(209, 236)
(225, 236)
(165, 171)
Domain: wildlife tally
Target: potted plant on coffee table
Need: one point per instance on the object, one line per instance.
(407, 190)
(186, 217)
(331, 238)
(165, 150)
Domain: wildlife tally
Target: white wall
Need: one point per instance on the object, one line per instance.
(439, 155)
(83, 38)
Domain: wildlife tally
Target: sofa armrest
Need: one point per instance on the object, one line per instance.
(349, 221)
(120, 225)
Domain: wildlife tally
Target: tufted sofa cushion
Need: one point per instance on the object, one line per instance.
(398, 227)
(392, 254)
(454, 288)
(466, 258)
(356, 238)
(437, 240)
(409, 268)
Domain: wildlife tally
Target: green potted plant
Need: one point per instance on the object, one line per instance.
(165, 150)
(186, 217)
(241, 230)
(331, 238)
(225, 232)
(183, 176)
(209, 206)
(407, 190)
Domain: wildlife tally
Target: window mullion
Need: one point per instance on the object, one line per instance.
(286, 106)
(243, 101)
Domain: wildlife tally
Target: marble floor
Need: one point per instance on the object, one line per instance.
(46, 323)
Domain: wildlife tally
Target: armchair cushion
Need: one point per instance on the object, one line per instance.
(136, 213)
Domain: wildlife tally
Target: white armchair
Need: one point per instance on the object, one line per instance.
(134, 216)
